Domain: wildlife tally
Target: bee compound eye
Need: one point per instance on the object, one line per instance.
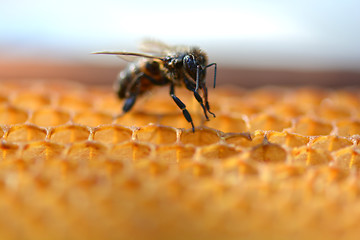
(190, 62)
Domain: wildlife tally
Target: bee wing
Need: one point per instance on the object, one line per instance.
(156, 47)
(129, 56)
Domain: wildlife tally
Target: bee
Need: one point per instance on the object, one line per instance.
(161, 65)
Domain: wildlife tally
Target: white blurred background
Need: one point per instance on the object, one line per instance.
(304, 34)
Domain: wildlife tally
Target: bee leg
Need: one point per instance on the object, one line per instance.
(182, 106)
(197, 97)
(129, 103)
(134, 91)
(206, 101)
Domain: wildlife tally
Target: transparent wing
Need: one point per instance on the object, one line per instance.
(129, 56)
(156, 47)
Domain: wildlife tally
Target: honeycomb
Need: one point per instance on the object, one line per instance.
(276, 163)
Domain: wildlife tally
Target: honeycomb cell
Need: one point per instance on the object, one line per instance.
(69, 134)
(218, 151)
(157, 168)
(174, 153)
(179, 121)
(310, 156)
(169, 154)
(201, 169)
(239, 139)
(92, 119)
(347, 158)
(87, 181)
(344, 97)
(310, 127)
(9, 151)
(264, 97)
(241, 107)
(87, 151)
(31, 100)
(75, 102)
(130, 151)
(132, 183)
(112, 134)
(244, 139)
(47, 117)
(288, 171)
(267, 152)
(108, 103)
(287, 110)
(25, 133)
(268, 122)
(162, 96)
(156, 134)
(201, 137)
(333, 112)
(137, 119)
(42, 150)
(12, 115)
(226, 123)
(246, 168)
(329, 174)
(308, 97)
(163, 106)
(331, 143)
(114, 167)
(348, 128)
(287, 139)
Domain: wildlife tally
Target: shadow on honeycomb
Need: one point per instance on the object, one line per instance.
(275, 163)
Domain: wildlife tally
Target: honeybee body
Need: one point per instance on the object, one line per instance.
(177, 66)
(138, 71)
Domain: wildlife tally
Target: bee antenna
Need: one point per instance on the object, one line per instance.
(197, 78)
(130, 54)
(215, 70)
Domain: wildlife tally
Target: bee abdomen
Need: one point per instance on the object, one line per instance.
(125, 79)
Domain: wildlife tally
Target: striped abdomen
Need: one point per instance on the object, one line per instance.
(135, 78)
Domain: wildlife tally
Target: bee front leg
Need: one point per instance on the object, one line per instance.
(182, 106)
(197, 97)
(206, 101)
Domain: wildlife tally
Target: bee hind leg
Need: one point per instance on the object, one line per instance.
(182, 106)
(134, 91)
(129, 103)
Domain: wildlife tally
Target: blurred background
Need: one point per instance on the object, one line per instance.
(254, 42)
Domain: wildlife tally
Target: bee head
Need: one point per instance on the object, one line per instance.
(195, 64)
